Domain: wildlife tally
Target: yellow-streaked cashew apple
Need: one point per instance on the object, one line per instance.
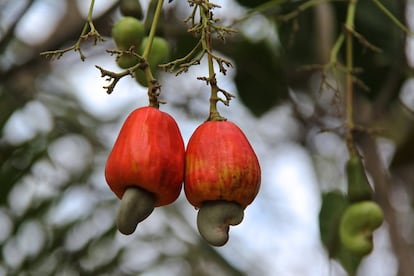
(222, 177)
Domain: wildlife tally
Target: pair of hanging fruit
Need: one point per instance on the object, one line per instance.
(148, 164)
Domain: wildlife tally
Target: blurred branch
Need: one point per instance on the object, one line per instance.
(325, 26)
(374, 164)
(10, 31)
(67, 29)
(393, 81)
(382, 183)
(88, 31)
(301, 8)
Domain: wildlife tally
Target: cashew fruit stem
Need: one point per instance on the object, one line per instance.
(214, 219)
(136, 205)
(358, 185)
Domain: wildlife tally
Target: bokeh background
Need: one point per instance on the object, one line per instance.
(58, 125)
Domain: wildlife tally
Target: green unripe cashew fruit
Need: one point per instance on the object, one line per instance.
(160, 52)
(358, 185)
(126, 61)
(128, 31)
(131, 8)
(357, 225)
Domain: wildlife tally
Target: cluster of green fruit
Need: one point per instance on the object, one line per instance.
(129, 36)
(347, 222)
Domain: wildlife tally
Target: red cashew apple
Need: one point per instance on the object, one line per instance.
(145, 168)
(222, 177)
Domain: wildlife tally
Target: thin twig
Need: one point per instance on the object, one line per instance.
(113, 77)
(394, 19)
(364, 42)
(88, 31)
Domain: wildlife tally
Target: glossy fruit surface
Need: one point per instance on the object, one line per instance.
(148, 153)
(128, 31)
(221, 165)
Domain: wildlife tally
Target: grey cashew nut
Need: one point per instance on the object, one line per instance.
(214, 219)
(136, 205)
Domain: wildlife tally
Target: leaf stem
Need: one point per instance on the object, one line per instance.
(335, 49)
(88, 31)
(392, 17)
(183, 62)
(303, 7)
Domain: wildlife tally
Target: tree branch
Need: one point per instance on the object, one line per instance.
(382, 183)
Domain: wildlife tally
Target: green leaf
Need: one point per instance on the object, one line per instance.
(333, 205)
(251, 3)
(349, 261)
(260, 79)
(389, 65)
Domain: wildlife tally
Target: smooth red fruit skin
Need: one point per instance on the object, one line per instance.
(221, 165)
(148, 153)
